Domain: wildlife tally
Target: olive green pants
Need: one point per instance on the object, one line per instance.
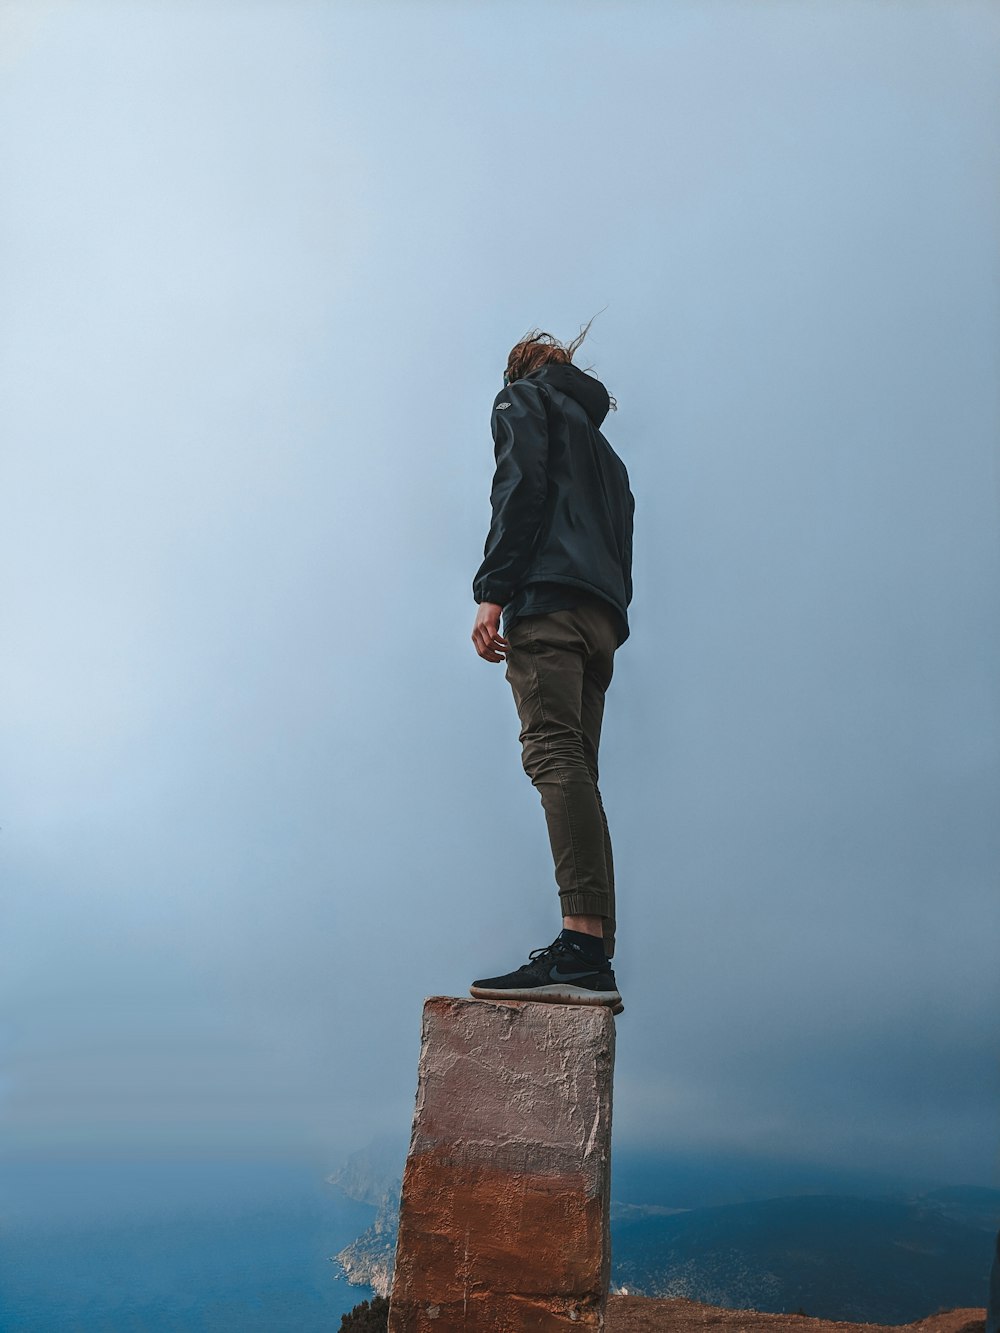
(559, 666)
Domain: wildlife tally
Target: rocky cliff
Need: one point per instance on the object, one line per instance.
(369, 1260)
(504, 1216)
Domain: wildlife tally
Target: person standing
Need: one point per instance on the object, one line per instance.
(557, 566)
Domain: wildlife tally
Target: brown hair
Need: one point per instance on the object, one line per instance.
(540, 349)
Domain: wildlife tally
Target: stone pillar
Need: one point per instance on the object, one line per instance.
(503, 1222)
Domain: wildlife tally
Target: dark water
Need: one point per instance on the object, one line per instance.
(186, 1246)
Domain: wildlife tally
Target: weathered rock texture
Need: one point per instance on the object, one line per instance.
(638, 1314)
(504, 1214)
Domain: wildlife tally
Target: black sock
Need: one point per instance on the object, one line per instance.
(591, 946)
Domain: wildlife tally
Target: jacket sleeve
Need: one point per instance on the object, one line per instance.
(520, 486)
(627, 562)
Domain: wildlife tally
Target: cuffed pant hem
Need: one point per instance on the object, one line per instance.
(584, 904)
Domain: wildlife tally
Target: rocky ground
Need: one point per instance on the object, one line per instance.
(640, 1314)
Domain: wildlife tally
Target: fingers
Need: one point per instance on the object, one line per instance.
(489, 643)
(490, 646)
(490, 652)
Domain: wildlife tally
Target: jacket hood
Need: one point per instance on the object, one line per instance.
(589, 392)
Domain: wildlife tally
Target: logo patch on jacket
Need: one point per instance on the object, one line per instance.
(501, 406)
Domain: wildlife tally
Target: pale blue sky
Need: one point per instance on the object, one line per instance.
(260, 267)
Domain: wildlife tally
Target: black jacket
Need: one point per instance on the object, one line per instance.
(562, 508)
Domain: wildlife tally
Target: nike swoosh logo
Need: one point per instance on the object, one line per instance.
(556, 975)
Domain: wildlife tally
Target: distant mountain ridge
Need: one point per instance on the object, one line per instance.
(836, 1257)
(367, 1174)
(371, 1176)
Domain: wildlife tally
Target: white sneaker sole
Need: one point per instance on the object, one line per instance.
(554, 995)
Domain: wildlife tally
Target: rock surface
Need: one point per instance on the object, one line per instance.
(505, 1204)
(640, 1314)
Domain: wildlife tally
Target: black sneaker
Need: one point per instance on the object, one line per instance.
(561, 974)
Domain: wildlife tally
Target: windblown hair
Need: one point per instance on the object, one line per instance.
(537, 349)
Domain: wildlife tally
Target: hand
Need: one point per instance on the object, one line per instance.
(489, 642)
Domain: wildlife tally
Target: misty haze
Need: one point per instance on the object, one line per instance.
(261, 267)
